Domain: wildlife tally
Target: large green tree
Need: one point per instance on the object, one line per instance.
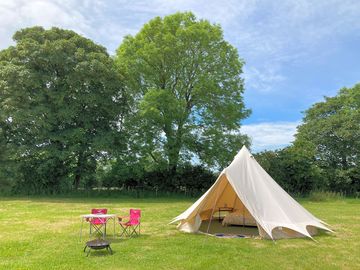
(186, 92)
(61, 106)
(331, 130)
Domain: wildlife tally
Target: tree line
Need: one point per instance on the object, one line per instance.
(163, 113)
(74, 117)
(326, 152)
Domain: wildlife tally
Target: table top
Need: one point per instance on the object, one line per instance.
(98, 216)
(226, 208)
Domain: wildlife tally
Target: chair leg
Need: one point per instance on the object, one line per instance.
(133, 230)
(124, 230)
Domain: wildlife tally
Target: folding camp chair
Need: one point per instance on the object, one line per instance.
(131, 227)
(98, 224)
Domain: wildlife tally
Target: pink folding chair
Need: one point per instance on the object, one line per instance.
(98, 224)
(132, 226)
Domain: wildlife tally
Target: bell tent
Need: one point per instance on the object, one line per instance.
(249, 191)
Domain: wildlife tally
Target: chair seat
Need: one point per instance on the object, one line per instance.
(129, 223)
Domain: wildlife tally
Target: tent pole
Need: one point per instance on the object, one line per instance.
(243, 215)
(212, 212)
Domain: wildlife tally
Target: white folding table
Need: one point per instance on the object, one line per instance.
(90, 216)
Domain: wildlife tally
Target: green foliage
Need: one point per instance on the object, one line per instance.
(71, 117)
(331, 130)
(61, 101)
(325, 155)
(9, 170)
(185, 91)
(188, 179)
(293, 170)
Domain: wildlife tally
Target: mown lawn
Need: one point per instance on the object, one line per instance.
(43, 233)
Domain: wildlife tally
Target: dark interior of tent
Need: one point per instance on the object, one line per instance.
(223, 214)
(218, 225)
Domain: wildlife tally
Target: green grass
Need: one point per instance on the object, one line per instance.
(43, 233)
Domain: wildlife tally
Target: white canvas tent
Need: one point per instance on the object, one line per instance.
(246, 187)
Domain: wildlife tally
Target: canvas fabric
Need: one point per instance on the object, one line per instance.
(246, 187)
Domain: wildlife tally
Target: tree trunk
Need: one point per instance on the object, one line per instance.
(77, 181)
(78, 170)
(174, 145)
(173, 159)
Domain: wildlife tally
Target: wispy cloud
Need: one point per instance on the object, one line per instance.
(93, 19)
(276, 35)
(262, 79)
(271, 36)
(270, 136)
(16, 14)
(277, 30)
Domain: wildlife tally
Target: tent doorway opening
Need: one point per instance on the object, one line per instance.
(224, 213)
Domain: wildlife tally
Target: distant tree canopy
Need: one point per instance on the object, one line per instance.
(326, 152)
(186, 92)
(73, 117)
(331, 133)
(61, 102)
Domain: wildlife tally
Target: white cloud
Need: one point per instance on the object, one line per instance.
(261, 79)
(20, 13)
(278, 34)
(270, 135)
(270, 35)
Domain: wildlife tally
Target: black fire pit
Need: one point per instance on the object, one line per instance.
(97, 244)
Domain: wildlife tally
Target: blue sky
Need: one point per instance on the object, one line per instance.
(296, 52)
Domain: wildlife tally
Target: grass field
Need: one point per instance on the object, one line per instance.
(43, 233)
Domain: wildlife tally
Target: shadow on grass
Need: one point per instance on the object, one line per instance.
(99, 253)
(118, 239)
(324, 234)
(125, 239)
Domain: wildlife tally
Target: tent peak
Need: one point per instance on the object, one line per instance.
(244, 151)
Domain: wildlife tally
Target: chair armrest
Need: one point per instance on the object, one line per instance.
(121, 218)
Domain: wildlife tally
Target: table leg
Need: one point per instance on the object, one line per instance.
(114, 226)
(82, 221)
